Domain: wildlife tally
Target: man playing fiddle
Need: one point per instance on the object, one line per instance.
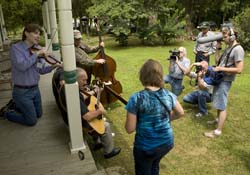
(81, 52)
(27, 65)
(104, 140)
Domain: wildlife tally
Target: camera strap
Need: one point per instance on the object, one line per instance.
(163, 104)
(193, 82)
(227, 57)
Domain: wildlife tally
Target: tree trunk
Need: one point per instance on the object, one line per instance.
(189, 27)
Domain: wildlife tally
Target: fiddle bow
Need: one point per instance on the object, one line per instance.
(49, 58)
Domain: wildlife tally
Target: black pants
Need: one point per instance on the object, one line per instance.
(201, 57)
(147, 162)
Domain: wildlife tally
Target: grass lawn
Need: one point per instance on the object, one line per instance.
(193, 153)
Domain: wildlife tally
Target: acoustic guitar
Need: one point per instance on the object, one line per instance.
(97, 123)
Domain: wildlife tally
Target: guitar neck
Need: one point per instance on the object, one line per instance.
(98, 98)
(116, 95)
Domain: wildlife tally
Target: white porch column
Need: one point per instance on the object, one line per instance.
(71, 87)
(4, 32)
(45, 23)
(1, 39)
(48, 31)
(54, 30)
(1, 29)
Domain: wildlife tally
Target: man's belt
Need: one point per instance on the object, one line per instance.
(201, 52)
(176, 78)
(25, 87)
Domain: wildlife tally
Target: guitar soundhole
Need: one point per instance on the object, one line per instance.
(96, 107)
(99, 117)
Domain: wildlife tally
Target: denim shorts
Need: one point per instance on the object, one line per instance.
(220, 95)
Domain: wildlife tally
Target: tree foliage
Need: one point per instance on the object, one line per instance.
(79, 9)
(118, 13)
(150, 18)
(242, 22)
(17, 13)
(152, 21)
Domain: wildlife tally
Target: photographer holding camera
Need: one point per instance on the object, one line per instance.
(203, 51)
(231, 63)
(204, 93)
(178, 66)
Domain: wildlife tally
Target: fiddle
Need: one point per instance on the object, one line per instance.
(48, 58)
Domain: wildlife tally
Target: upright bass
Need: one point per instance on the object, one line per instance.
(105, 72)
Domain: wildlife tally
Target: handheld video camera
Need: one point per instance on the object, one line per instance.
(174, 53)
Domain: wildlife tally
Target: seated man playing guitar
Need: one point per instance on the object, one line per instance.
(91, 119)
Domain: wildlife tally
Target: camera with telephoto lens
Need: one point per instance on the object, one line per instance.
(174, 54)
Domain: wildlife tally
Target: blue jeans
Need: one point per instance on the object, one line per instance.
(28, 106)
(176, 84)
(147, 162)
(199, 97)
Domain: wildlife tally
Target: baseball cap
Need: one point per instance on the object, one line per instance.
(203, 25)
(77, 34)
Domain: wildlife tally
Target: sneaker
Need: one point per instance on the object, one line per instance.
(212, 134)
(212, 122)
(9, 106)
(3, 110)
(199, 115)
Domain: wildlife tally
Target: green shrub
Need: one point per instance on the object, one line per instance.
(170, 31)
(148, 35)
(242, 22)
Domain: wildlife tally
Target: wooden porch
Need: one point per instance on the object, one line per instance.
(42, 149)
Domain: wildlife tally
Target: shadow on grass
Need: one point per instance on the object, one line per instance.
(237, 143)
(135, 42)
(192, 110)
(122, 163)
(244, 156)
